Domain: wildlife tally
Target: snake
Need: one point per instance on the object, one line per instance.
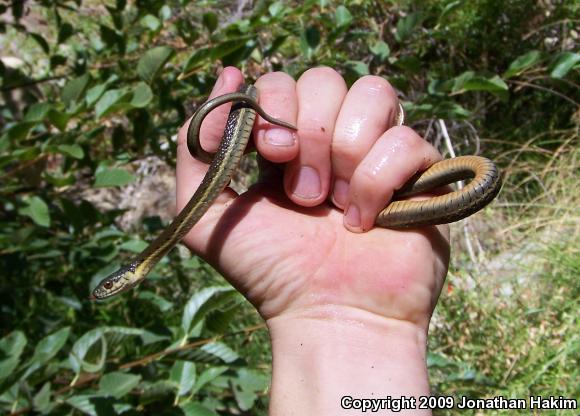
(399, 214)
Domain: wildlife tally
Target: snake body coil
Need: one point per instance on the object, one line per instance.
(450, 207)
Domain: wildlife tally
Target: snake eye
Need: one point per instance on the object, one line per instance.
(108, 284)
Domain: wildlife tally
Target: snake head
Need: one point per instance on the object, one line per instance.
(123, 279)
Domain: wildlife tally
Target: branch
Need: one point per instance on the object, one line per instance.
(88, 378)
(147, 359)
(30, 83)
(538, 87)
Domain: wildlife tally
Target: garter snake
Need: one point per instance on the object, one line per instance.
(484, 186)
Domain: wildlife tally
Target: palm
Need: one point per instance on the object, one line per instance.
(286, 258)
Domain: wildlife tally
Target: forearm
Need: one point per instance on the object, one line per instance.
(326, 353)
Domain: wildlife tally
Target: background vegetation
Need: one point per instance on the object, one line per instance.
(92, 96)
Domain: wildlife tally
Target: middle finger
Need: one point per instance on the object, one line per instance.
(320, 94)
(369, 109)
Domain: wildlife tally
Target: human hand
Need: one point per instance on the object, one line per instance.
(326, 288)
(281, 244)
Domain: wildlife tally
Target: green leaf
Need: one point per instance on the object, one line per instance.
(152, 62)
(57, 60)
(82, 346)
(111, 101)
(201, 302)
(449, 8)
(277, 9)
(221, 351)
(204, 55)
(49, 346)
(142, 95)
(37, 210)
(342, 16)
(158, 391)
(83, 350)
(360, 68)
(94, 93)
(210, 21)
(406, 26)
(41, 400)
(11, 346)
(37, 112)
(111, 35)
(182, 374)
(134, 246)
(41, 42)
(247, 386)
(435, 360)
(165, 12)
(197, 59)
(163, 304)
(58, 119)
(118, 384)
(196, 409)
(468, 81)
(150, 22)
(381, 50)
(309, 41)
(113, 177)
(20, 131)
(74, 89)
(523, 62)
(207, 377)
(84, 402)
(563, 63)
(72, 150)
(66, 31)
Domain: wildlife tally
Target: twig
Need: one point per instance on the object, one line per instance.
(476, 135)
(527, 35)
(546, 192)
(25, 165)
(570, 219)
(447, 141)
(538, 87)
(31, 82)
(147, 359)
(449, 146)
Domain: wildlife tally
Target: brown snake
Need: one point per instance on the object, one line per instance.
(484, 186)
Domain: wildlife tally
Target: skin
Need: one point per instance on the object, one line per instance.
(347, 305)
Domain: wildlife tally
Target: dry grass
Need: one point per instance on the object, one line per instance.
(507, 324)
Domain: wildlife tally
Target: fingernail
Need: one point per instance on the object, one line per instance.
(279, 137)
(340, 192)
(307, 183)
(353, 216)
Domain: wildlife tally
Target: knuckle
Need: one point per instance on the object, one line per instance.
(365, 177)
(347, 152)
(405, 138)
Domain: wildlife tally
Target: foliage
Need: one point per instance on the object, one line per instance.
(97, 88)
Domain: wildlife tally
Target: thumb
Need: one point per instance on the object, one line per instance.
(189, 171)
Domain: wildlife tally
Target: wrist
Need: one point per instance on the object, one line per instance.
(325, 353)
